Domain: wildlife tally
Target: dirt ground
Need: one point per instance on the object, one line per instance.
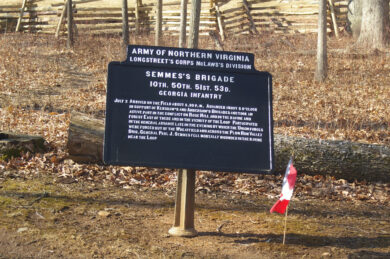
(42, 218)
(51, 207)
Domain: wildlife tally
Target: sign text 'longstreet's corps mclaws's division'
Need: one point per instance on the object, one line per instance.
(189, 108)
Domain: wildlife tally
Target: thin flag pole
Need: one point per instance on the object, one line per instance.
(285, 227)
(285, 217)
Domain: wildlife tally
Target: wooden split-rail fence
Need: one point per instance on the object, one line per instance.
(226, 17)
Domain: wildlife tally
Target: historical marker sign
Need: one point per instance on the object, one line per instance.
(187, 108)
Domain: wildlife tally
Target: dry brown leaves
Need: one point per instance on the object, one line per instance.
(41, 82)
(307, 187)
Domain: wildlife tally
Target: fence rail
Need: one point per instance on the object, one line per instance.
(233, 17)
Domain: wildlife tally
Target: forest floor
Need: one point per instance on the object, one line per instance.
(44, 218)
(53, 207)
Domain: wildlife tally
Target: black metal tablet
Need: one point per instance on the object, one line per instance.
(187, 108)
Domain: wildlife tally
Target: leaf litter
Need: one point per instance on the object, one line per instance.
(41, 82)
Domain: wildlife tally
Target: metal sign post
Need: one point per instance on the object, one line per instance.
(184, 205)
(185, 191)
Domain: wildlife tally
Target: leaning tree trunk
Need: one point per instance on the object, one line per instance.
(343, 159)
(374, 32)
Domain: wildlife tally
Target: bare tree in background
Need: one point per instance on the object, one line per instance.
(322, 59)
(194, 24)
(125, 23)
(374, 31)
(70, 40)
(158, 29)
(183, 24)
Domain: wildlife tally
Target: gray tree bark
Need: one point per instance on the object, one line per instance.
(125, 24)
(343, 159)
(183, 24)
(158, 28)
(355, 16)
(138, 3)
(70, 41)
(194, 24)
(322, 59)
(374, 32)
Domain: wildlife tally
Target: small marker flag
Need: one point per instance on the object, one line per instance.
(287, 190)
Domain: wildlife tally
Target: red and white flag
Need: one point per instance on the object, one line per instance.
(287, 190)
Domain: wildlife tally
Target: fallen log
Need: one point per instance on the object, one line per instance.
(342, 159)
(85, 138)
(14, 145)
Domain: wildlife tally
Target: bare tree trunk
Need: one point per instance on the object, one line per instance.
(374, 32)
(70, 41)
(125, 24)
(158, 28)
(183, 24)
(322, 60)
(137, 6)
(355, 16)
(194, 25)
